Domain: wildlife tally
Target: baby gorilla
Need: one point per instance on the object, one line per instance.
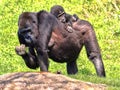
(59, 12)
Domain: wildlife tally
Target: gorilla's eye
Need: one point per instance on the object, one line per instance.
(34, 21)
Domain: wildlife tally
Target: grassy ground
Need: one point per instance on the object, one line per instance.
(104, 16)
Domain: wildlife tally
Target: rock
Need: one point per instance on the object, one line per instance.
(44, 81)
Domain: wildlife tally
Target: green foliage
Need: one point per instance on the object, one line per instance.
(104, 15)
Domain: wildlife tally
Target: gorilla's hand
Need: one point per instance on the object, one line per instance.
(20, 50)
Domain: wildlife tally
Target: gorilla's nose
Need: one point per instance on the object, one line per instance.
(27, 36)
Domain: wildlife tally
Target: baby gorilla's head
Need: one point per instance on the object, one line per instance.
(59, 12)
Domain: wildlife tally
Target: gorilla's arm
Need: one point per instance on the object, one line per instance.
(93, 52)
(45, 21)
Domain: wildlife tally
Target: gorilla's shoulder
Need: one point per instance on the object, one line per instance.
(43, 13)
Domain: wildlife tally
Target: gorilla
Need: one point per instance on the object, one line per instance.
(59, 12)
(46, 37)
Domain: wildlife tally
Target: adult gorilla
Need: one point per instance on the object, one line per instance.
(45, 36)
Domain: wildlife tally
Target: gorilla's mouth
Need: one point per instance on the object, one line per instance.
(29, 41)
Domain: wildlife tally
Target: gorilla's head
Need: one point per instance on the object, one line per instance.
(28, 28)
(59, 12)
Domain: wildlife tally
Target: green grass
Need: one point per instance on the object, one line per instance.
(104, 15)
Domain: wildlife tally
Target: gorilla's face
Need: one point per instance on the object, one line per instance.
(28, 28)
(62, 18)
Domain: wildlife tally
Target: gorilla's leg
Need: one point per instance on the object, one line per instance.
(29, 57)
(72, 67)
(93, 52)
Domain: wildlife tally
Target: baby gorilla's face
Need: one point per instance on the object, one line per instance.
(59, 13)
(62, 17)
